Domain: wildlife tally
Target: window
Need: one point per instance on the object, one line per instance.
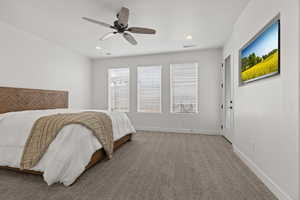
(184, 88)
(149, 89)
(118, 90)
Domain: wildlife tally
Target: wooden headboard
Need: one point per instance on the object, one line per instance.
(19, 99)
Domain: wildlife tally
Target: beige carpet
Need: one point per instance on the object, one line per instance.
(153, 166)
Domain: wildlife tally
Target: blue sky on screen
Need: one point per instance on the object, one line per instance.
(265, 43)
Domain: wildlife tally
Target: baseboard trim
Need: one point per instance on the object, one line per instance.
(278, 192)
(194, 131)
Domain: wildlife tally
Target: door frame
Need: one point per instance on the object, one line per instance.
(227, 132)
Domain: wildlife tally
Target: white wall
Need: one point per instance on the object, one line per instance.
(207, 121)
(30, 62)
(266, 131)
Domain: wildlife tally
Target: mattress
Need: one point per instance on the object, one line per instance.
(69, 153)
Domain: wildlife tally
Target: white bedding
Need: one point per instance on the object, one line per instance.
(67, 155)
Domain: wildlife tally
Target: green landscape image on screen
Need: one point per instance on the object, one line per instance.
(261, 57)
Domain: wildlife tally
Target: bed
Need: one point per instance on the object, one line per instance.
(74, 150)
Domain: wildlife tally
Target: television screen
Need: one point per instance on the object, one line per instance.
(260, 57)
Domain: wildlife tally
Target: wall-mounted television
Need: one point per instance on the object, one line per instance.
(260, 57)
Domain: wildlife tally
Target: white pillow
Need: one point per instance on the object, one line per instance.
(1, 117)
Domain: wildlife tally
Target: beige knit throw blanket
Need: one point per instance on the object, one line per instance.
(45, 129)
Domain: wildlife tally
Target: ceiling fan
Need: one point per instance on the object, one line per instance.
(121, 26)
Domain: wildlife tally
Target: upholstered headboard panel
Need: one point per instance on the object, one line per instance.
(19, 99)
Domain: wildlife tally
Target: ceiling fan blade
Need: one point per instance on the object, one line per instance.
(98, 22)
(141, 30)
(108, 35)
(130, 38)
(123, 17)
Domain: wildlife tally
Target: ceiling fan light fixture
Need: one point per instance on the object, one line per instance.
(120, 26)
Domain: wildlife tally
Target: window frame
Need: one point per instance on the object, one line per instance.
(171, 88)
(109, 88)
(137, 93)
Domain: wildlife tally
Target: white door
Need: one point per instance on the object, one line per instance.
(227, 99)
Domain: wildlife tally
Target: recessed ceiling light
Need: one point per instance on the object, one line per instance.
(98, 48)
(189, 37)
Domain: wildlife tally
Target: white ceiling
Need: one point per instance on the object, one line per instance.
(210, 23)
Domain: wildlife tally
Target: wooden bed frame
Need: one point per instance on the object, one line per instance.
(20, 99)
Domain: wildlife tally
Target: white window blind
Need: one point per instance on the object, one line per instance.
(118, 89)
(149, 89)
(184, 88)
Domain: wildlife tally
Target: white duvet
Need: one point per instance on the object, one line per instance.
(70, 152)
